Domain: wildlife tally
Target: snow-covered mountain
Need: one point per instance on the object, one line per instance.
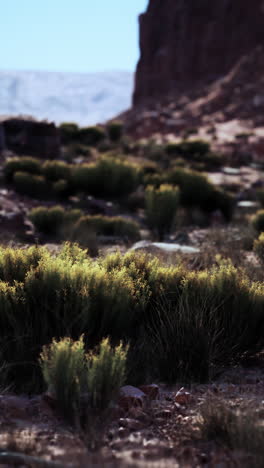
(84, 98)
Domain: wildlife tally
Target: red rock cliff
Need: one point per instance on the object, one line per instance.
(188, 43)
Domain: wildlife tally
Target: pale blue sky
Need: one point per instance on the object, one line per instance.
(69, 35)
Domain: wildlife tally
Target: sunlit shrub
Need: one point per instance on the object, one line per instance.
(106, 373)
(161, 208)
(23, 164)
(63, 365)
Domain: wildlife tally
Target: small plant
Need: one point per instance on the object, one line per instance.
(161, 207)
(63, 366)
(188, 149)
(106, 373)
(115, 131)
(258, 221)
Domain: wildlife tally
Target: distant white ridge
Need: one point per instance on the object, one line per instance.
(84, 98)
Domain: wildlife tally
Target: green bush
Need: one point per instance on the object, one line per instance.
(196, 190)
(23, 164)
(258, 221)
(106, 178)
(69, 132)
(107, 226)
(63, 365)
(91, 136)
(69, 373)
(191, 149)
(106, 373)
(161, 208)
(61, 188)
(56, 170)
(32, 185)
(125, 297)
(115, 131)
(53, 220)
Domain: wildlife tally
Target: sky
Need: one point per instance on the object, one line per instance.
(69, 35)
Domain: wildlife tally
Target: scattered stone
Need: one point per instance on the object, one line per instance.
(132, 424)
(164, 414)
(131, 396)
(182, 397)
(152, 391)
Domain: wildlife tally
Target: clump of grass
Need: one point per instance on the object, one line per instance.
(63, 366)
(54, 220)
(106, 373)
(69, 373)
(161, 208)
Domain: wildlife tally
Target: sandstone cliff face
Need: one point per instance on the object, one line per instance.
(186, 44)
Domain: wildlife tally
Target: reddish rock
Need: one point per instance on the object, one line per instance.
(131, 397)
(152, 391)
(182, 397)
(184, 43)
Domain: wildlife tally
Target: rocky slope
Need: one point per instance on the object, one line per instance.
(200, 62)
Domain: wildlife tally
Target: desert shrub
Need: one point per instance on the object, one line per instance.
(115, 131)
(196, 190)
(258, 221)
(56, 170)
(106, 373)
(23, 164)
(189, 149)
(69, 132)
(47, 220)
(63, 365)
(161, 207)
(45, 296)
(91, 135)
(52, 220)
(107, 226)
(153, 179)
(259, 247)
(32, 185)
(106, 177)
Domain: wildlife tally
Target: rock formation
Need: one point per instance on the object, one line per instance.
(199, 59)
(189, 43)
